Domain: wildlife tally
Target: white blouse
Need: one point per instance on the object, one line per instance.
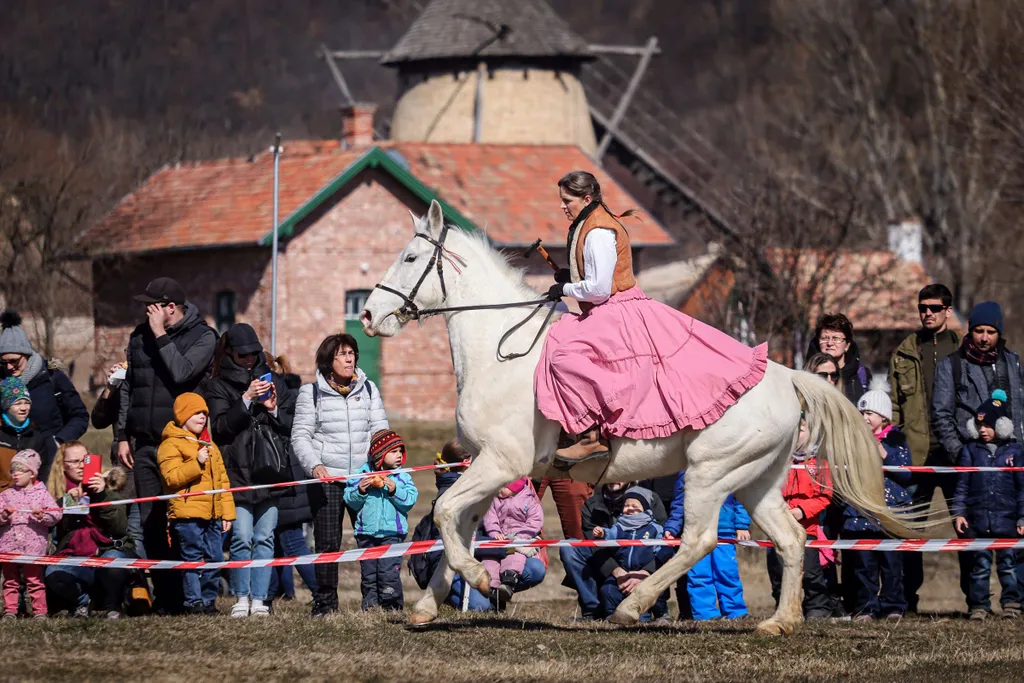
(599, 258)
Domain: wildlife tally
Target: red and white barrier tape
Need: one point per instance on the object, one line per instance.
(918, 545)
(253, 487)
(927, 469)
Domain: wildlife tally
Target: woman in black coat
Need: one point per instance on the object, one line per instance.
(238, 399)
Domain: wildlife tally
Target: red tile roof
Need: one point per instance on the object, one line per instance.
(509, 190)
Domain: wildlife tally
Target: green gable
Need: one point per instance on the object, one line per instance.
(373, 158)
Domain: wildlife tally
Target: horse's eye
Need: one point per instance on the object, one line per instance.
(410, 258)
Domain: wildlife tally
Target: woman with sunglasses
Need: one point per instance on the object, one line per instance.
(239, 396)
(824, 366)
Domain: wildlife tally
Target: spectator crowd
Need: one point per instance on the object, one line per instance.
(193, 411)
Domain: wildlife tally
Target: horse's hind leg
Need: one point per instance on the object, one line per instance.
(763, 499)
(702, 505)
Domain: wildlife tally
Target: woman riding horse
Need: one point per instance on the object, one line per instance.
(629, 366)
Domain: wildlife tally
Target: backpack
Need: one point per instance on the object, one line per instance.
(422, 566)
(316, 398)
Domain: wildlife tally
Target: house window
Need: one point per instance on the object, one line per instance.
(355, 302)
(225, 311)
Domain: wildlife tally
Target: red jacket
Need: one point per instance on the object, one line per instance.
(804, 490)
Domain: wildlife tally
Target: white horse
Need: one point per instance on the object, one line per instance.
(747, 451)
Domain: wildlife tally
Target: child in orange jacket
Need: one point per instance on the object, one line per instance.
(190, 461)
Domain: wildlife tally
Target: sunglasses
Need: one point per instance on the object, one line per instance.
(830, 376)
(931, 308)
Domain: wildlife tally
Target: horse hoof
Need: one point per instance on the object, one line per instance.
(421, 618)
(773, 628)
(483, 584)
(623, 617)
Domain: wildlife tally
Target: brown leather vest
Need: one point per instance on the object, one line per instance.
(601, 219)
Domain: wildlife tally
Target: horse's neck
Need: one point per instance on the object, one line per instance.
(474, 335)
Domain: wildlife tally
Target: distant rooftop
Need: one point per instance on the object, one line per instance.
(454, 29)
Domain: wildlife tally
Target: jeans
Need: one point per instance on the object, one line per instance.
(198, 540)
(291, 543)
(922, 490)
(980, 564)
(153, 524)
(714, 586)
(875, 579)
(533, 574)
(74, 587)
(252, 538)
(381, 580)
(583, 574)
(611, 596)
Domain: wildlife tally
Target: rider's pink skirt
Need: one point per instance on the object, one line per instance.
(641, 369)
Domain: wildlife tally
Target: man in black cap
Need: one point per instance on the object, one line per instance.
(168, 355)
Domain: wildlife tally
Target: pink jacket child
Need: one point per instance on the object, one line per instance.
(25, 533)
(515, 514)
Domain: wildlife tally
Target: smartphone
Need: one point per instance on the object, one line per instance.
(91, 467)
(267, 377)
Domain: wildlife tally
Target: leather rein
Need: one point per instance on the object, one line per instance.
(409, 310)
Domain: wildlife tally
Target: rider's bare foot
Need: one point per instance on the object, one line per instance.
(589, 446)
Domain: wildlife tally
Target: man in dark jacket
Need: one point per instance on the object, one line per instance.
(966, 379)
(911, 381)
(834, 335)
(57, 410)
(586, 568)
(168, 355)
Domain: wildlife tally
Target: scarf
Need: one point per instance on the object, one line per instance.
(18, 429)
(979, 357)
(634, 522)
(884, 433)
(343, 390)
(584, 215)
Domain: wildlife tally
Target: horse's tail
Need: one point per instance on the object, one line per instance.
(851, 452)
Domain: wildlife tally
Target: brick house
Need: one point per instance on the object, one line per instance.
(345, 216)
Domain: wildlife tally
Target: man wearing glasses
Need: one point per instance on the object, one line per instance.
(168, 355)
(911, 379)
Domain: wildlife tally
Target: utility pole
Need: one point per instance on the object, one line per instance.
(276, 149)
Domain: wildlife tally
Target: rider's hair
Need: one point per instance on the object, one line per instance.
(581, 183)
(329, 347)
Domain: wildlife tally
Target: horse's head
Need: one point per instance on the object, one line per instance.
(412, 282)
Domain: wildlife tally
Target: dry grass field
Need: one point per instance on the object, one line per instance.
(531, 641)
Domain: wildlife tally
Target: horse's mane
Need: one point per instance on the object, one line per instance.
(479, 248)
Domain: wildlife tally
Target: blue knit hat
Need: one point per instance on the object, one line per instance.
(987, 313)
(12, 390)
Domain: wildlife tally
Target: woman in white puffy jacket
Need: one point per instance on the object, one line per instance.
(335, 416)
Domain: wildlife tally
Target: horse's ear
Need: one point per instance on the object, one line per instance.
(415, 220)
(435, 218)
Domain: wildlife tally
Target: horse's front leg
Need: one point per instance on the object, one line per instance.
(471, 493)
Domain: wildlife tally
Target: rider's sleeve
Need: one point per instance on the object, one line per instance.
(599, 257)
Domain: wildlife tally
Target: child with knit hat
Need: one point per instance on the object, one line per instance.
(26, 533)
(515, 514)
(873, 580)
(17, 433)
(382, 503)
(990, 505)
(190, 461)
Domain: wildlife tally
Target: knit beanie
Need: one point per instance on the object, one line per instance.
(641, 494)
(28, 459)
(987, 313)
(12, 338)
(876, 399)
(187, 405)
(991, 411)
(381, 444)
(12, 390)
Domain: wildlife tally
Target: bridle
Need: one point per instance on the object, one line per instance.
(409, 310)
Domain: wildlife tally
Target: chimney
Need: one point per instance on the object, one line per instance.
(357, 125)
(905, 240)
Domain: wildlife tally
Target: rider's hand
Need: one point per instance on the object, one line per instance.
(555, 292)
(563, 276)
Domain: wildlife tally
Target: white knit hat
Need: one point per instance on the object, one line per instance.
(876, 399)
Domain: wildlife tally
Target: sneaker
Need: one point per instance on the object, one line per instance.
(259, 609)
(9, 616)
(81, 613)
(978, 615)
(583, 619)
(818, 615)
(44, 616)
(113, 614)
(863, 617)
(663, 620)
(240, 610)
(195, 608)
(1011, 613)
(210, 608)
(893, 616)
(321, 610)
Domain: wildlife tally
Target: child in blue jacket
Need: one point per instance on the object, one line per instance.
(635, 563)
(872, 579)
(382, 504)
(990, 505)
(713, 583)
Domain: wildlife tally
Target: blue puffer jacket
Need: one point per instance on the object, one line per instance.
(732, 517)
(641, 557)
(382, 514)
(992, 502)
(897, 452)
